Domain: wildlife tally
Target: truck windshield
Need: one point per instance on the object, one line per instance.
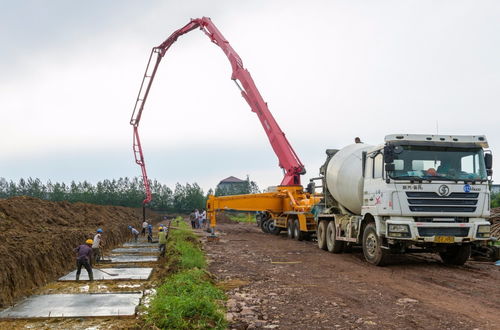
(438, 163)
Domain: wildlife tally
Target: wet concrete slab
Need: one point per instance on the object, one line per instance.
(121, 274)
(131, 258)
(135, 250)
(74, 305)
(140, 244)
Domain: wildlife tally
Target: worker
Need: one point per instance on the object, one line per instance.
(162, 240)
(196, 218)
(135, 233)
(144, 227)
(203, 218)
(83, 258)
(192, 217)
(357, 140)
(96, 247)
(150, 233)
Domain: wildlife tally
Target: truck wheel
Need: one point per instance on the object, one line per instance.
(372, 247)
(273, 229)
(333, 245)
(258, 219)
(321, 235)
(456, 255)
(265, 226)
(289, 228)
(298, 235)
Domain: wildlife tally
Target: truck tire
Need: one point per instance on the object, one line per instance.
(289, 228)
(258, 219)
(372, 247)
(265, 226)
(272, 228)
(297, 233)
(456, 255)
(321, 234)
(333, 245)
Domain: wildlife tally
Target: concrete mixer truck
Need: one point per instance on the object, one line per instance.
(414, 193)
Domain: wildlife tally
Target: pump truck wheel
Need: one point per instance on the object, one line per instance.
(265, 226)
(456, 255)
(289, 228)
(372, 246)
(297, 233)
(333, 245)
(272, 228)
(321, 234)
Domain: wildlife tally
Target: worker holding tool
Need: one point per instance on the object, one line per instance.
(96, 247)
(162, 240)
(83, 258)
(135, 233)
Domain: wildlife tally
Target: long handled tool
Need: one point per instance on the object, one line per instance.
(105, 272)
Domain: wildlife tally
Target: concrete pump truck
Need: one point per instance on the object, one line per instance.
(412, 193)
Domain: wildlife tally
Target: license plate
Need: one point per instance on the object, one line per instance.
(444, 239)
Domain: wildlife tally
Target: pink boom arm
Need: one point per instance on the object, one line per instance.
(288, 159)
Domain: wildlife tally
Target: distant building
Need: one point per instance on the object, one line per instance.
(231, 186)
(495, 188)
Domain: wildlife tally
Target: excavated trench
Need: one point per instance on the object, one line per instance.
(38, 237)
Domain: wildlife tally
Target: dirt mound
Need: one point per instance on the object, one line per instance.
(222, 217)
(38, 237)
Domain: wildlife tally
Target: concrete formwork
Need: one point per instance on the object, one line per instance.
(122, 274)
(131, 258)
(136, 250)
(75, 305)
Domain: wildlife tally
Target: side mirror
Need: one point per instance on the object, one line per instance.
(488, 161)
(390, 167)
(311, 187)
(388, 154)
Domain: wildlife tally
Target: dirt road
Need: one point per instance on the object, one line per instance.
(276, 282)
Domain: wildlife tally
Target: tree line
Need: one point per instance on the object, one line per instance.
(122, 192)
(495, 200)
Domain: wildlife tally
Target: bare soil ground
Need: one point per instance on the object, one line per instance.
(275, 282)
(37, 239)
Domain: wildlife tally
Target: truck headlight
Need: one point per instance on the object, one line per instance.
(483, 231)
(399, 228)
(398, 231)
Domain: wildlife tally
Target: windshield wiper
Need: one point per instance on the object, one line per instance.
(411, 178)
(436, 177)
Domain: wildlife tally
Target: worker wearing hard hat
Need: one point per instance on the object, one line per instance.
(162, 240)
(135, 233)
(96, 247)
(83, 258)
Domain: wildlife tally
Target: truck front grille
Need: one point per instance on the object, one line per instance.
(432, 202)
(443, 231)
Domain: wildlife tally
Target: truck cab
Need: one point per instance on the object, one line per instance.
(429, 192)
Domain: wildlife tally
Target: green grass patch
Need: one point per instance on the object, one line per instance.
(241, 217)
(188, 298)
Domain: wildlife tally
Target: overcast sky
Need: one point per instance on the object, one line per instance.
(329, 70)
